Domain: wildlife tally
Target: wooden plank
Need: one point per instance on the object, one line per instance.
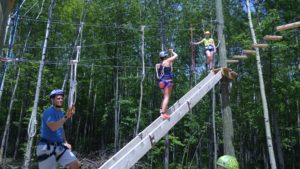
(260, 45)
(239, 57)
(272, 37)
(249, 52)
(288, 26)
(232, 61)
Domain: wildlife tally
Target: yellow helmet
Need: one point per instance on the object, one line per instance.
(206, 33)
(228, 162)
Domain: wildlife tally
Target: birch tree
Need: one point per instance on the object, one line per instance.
(263, 93)
(3, 147)
(142, 81)
(33, 122)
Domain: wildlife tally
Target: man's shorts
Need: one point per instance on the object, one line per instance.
(50, 162)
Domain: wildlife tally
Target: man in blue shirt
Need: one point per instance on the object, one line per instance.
(53, 146)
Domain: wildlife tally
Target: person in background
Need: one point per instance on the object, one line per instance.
(210, 49)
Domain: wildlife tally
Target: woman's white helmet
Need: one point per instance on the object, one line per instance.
(163, 54)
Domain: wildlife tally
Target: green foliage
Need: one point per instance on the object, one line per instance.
(111, 42)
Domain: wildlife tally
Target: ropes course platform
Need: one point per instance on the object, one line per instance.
(239, 57)
(288, 26)
(252, 52)
(260, 45)
(272, 38)
(232, 61)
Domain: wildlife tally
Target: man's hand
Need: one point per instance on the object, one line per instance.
(68, 145)
(70, 111)
(171, 50)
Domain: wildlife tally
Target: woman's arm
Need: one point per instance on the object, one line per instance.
(156, 70)
(173, 57)
(197, 43)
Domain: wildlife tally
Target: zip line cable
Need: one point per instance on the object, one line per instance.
(73, 63)
(9, 53)
(84, 46)
(151, 27)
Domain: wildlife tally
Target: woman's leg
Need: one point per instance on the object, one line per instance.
(165, 101)
(207, 52)
(209, 59)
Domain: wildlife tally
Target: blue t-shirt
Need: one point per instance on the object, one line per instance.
(51, 115)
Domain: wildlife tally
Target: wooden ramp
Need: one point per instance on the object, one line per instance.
(145, 140)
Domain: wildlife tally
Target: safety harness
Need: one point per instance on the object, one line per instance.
(167, 83)
(166, 79)
(43, 157)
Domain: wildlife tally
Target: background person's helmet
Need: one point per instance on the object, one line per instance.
(163, 54)
(207, 33)
(56, 92)
(228, 162)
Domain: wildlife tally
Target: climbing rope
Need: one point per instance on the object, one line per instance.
(73, 82)
(73, 65)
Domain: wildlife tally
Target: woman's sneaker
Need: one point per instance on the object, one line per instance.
(165, 116)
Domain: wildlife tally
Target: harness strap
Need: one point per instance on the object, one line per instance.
(167, 83)
(55, 144)
(61, 154)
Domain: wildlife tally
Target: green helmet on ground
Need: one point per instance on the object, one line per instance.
(228, 162)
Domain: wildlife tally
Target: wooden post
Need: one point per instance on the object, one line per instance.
(239, 57)
(260, 45)
(272, 37)
(253, 52)
(288, 26)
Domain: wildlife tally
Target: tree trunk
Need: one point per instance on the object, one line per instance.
(6, 6)
(6, 32)
(93, 111)
(142, 81)
(225, 108)
(33, 122)
(77, 133)
(21, 113)
(263, 95)
(215, 145)
(227, 118)
(7, 125)
(167, 153)
(19, 132)
(298, 121)
(11, 44)
(117, 105)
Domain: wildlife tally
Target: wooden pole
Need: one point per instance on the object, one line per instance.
(288, 26)
(272, 37)
(192, 50)
(260, 45)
